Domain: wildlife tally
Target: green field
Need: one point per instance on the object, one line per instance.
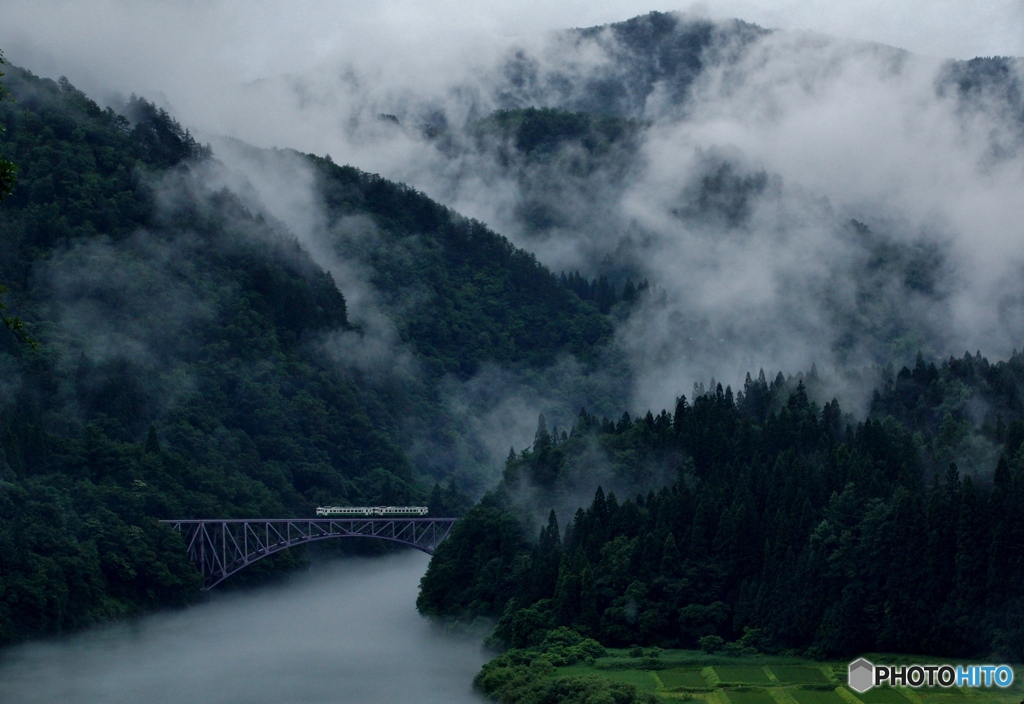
(807, 696)
(753, 675)
(957, 697)
(676, 676)
(882, 696)
(799, 674)
(643, 680)
(752, 696)
(682, 677)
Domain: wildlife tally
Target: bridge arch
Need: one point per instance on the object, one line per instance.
(221, 547)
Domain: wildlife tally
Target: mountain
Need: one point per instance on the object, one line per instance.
(759, 186)
(190, 355)
(794, 199)
(237, 331)
(652, 57)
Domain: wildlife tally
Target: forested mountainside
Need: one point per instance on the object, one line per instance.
(575, 176)
(177, 364)
(675, 149)
(659, 52)
(482, 300)
(562, 164)
(787, 527)
(186, 352)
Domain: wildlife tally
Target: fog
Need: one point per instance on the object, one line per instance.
(826, 121)
(818, 195)
(185, 47)
(279, 73)
(345, 631)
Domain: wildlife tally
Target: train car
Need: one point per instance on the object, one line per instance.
(358, 511)
(400, 510)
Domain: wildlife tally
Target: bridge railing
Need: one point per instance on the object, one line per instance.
(221, 547)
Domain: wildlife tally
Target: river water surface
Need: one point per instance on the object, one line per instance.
(344, 633)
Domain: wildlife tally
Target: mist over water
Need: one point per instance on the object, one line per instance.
(344, 632)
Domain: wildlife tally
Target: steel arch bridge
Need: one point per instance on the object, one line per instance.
(221, 547)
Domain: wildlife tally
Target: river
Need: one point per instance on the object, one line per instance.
(345, 632)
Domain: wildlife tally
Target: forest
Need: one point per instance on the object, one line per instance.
(172, 348)
(163, 355)
(789, 527)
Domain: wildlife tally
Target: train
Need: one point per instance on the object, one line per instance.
(371, 511)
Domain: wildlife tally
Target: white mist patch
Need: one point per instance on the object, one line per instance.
(851, 131)
(345, 632)
(261, 70)
(941, 28)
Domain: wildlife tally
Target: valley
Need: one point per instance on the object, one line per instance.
(708, 332)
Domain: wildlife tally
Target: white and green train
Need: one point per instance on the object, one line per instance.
(371, 511)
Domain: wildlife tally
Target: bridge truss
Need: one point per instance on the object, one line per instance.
(221, 547)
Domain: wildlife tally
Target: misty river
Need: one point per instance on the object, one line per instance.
(345, 632)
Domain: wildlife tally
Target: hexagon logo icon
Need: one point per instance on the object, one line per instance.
(861, 675)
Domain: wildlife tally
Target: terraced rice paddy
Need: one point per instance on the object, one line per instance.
(688, 676)
(799, 673)
(641, 679)
(957, 697)
(753, 675)
(810, 696)
(753, 696)
(882, 696)
(682, 677)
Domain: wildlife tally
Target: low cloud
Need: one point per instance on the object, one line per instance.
(800, 199)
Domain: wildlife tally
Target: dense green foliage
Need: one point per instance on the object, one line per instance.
(528, 676)
(180, 368)
(956, 405)
(788, 527)
(206, 347)
(466, 294)
(602, 292)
